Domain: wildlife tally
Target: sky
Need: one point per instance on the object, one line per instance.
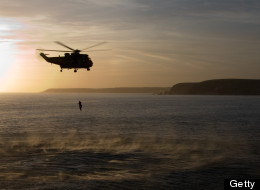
(153, 43)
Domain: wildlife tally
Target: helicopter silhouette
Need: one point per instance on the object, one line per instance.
(73, 60)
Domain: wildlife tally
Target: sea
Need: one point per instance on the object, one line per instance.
(127, 141)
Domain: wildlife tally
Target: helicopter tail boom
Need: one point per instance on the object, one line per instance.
(44, 57)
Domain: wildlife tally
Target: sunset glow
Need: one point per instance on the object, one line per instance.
(7, 56)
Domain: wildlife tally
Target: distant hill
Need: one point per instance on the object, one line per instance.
(154, 90)
(218, 87)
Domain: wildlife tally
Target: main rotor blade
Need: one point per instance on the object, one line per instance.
(93, 46)
(52, 50)
(97, 50)
(64, 45)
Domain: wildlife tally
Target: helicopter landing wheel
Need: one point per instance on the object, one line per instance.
(75, 71)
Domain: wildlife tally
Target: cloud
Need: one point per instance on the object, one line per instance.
(8, 27)
(176, 34)
(151, 19)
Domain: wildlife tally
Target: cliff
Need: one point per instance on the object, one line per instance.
(154, 90)
(218, 87)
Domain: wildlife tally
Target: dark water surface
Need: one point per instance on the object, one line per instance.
(127, 141)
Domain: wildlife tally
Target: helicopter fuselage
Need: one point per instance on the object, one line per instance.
(70, 61)
(73, 60)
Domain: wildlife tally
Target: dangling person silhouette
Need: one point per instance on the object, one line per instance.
(80, 105)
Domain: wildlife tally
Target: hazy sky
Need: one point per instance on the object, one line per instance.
(153, 42)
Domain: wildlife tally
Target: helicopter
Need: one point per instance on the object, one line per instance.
(73, 60)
